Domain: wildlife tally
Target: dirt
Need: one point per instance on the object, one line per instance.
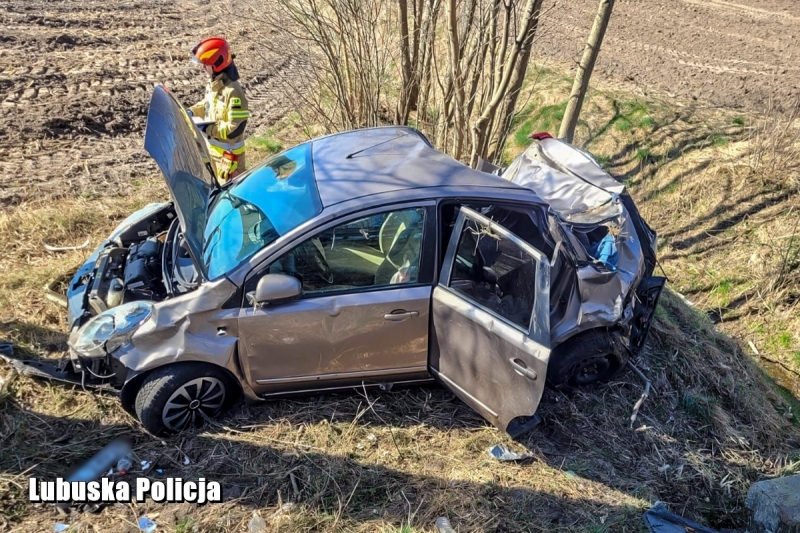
(740, 54)
(75, 79)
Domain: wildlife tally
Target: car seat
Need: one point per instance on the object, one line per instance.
(400, 241)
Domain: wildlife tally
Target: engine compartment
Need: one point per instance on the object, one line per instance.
(148, 261)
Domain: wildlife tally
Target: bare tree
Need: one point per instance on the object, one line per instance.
(585, 69)
(453, 68)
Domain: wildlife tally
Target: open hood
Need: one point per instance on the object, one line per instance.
(178, 148)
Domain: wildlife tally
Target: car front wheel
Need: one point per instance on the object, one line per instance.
(586, 359)
(182, 396)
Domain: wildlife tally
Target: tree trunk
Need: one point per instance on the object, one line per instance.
(585, 69)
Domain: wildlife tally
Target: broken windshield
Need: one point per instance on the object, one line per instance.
(268, 202)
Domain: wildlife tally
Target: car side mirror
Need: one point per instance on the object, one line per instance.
(276, 289)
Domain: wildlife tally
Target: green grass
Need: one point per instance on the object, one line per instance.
(265, 144)
(738, 121)
(623, 124)
(723, 289)
(718, 139)
(547, 118)
(643, 154)
(647, 122)
(185, 525)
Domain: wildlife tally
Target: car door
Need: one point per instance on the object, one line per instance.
(491, 325)
(364, 312)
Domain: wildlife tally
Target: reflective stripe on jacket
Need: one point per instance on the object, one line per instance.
(225, 104)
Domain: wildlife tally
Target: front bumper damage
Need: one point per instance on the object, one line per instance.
(60, 370)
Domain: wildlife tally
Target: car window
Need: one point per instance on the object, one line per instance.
(268, 202)
(374, 251)
(494, 272)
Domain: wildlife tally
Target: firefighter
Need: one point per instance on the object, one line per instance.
(224, 106)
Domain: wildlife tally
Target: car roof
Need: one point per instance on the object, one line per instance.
(377, 161)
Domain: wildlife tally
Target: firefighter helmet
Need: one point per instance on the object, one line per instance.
(214, 52)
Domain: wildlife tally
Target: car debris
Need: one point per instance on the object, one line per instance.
(257, 524)
(123, 465)
(94, 468)
(443, 525)
(189, 302)
(659, 520)
(146, 524)
(60, 528)
(65, 248)
(503, 454)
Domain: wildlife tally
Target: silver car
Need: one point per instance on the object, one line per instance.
(364, 258)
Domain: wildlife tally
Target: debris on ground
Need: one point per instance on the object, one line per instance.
(443, 525)
(257, 524)
(659, 520)
(65, 248)
(59, 527)
(147, 525)
(503, 454)
(145, 465)
(644, 395)
(123, 465)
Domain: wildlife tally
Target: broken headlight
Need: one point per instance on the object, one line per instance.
(111, 329)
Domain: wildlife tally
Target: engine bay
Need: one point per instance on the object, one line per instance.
(149, 261)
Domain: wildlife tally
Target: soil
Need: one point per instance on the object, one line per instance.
(75, 81)
(741, 54)
(75, 77)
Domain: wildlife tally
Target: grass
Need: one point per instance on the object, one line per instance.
(547, 118)
(365, 462)
(260, 146)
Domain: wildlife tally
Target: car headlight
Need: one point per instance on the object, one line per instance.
(111, 329)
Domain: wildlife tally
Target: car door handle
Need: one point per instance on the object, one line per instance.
(400, 315)
(521, 368)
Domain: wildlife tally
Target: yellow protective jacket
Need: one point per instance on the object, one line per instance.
(225, 104)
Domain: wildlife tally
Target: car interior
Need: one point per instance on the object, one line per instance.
(490, 269)
(383, 249)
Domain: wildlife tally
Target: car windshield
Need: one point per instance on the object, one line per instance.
(268, 202)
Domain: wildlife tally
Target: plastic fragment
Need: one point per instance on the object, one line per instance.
(443, 525)
(123, 465)
(257, 524)
(147, 525)
(186, 460)
(159, 470)
(59, 527)
(145, 465)
(501, 453)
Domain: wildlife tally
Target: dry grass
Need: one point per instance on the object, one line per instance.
(395, 461)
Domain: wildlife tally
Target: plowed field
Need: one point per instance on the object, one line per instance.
(735, 54)
(75, 78)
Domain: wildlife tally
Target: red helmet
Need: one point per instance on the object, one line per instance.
(214, 52)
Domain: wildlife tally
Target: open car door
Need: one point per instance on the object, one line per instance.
(491, 322)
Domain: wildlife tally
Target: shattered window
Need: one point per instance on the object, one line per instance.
(495, 272)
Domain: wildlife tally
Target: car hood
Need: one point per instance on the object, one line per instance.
(179, 149)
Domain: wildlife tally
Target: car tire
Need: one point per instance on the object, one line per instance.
(177, 397)
(584, 360)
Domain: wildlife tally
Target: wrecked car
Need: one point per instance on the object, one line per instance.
(363, 258)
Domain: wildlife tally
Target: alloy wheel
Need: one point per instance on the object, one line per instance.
(193, 402)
